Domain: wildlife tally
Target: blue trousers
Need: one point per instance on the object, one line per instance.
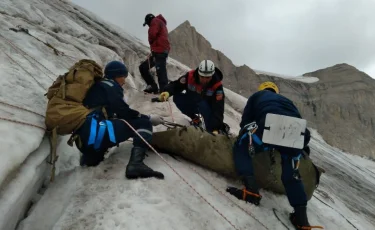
(122, 132)
(294, 187)
(191, 104)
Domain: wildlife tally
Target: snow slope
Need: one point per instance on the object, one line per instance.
(101, 198)
(305, 79)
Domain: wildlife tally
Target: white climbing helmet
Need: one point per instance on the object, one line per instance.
(206, 68)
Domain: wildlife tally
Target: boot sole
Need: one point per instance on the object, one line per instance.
(137, 176)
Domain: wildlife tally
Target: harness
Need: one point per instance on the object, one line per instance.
(249, 132)
(97, 133)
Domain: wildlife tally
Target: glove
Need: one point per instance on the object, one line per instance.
(164, 96)
(156, 120)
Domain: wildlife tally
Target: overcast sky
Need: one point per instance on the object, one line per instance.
(289, 37)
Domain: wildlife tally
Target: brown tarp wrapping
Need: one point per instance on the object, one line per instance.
(215, 153)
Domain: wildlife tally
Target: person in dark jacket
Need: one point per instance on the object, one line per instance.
(160, 47)
(204, 95)
(103, 130)
(268, 100)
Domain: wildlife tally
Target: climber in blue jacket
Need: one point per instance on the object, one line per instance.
(268, 100)
(99, 133)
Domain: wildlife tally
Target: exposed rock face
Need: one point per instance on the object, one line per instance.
(190, 48)
(341, 105)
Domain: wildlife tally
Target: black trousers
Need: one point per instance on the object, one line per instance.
(159, 60)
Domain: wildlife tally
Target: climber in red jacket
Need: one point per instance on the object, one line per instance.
(159, 43)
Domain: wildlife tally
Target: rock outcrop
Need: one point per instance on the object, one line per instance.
(190, 48)
(341, 105)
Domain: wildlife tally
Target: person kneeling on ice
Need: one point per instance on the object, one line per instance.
(268, 100)
(204, 95)
(97, 133)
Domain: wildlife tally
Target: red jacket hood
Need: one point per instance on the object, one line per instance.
(161, 18)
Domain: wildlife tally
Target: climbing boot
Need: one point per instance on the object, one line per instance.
(151, 89)
(250, 193)
(299, 218)
(137, 169)
(196, 121)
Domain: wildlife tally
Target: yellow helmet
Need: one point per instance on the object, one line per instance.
(269, 85)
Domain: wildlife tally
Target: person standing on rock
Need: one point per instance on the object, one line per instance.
(204, 95)
(160, 47)
(268, 101)
(103, 130)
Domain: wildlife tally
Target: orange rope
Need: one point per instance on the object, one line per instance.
(23, 123)
(24, 53)
(223, 194)
(170, 110)
(182, 178)
(14, 106)
(25, 70)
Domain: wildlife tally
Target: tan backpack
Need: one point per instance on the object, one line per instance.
(65, 111)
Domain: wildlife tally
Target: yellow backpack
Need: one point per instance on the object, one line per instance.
(65, 111)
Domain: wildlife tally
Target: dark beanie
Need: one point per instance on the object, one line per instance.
(115, 69)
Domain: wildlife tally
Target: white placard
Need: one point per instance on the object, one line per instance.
(284, 131)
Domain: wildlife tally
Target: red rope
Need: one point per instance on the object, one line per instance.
(25, 70)
(218, 190)
(14, 106)
(183, 179)
(170, 110)
(23, 123)
(23, 53)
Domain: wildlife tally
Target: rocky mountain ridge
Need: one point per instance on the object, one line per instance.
(341, 105)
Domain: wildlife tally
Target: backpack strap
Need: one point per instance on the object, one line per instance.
(104, 111)
(75, 138)
(53, 156)
(62, 87)
(96, 135)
